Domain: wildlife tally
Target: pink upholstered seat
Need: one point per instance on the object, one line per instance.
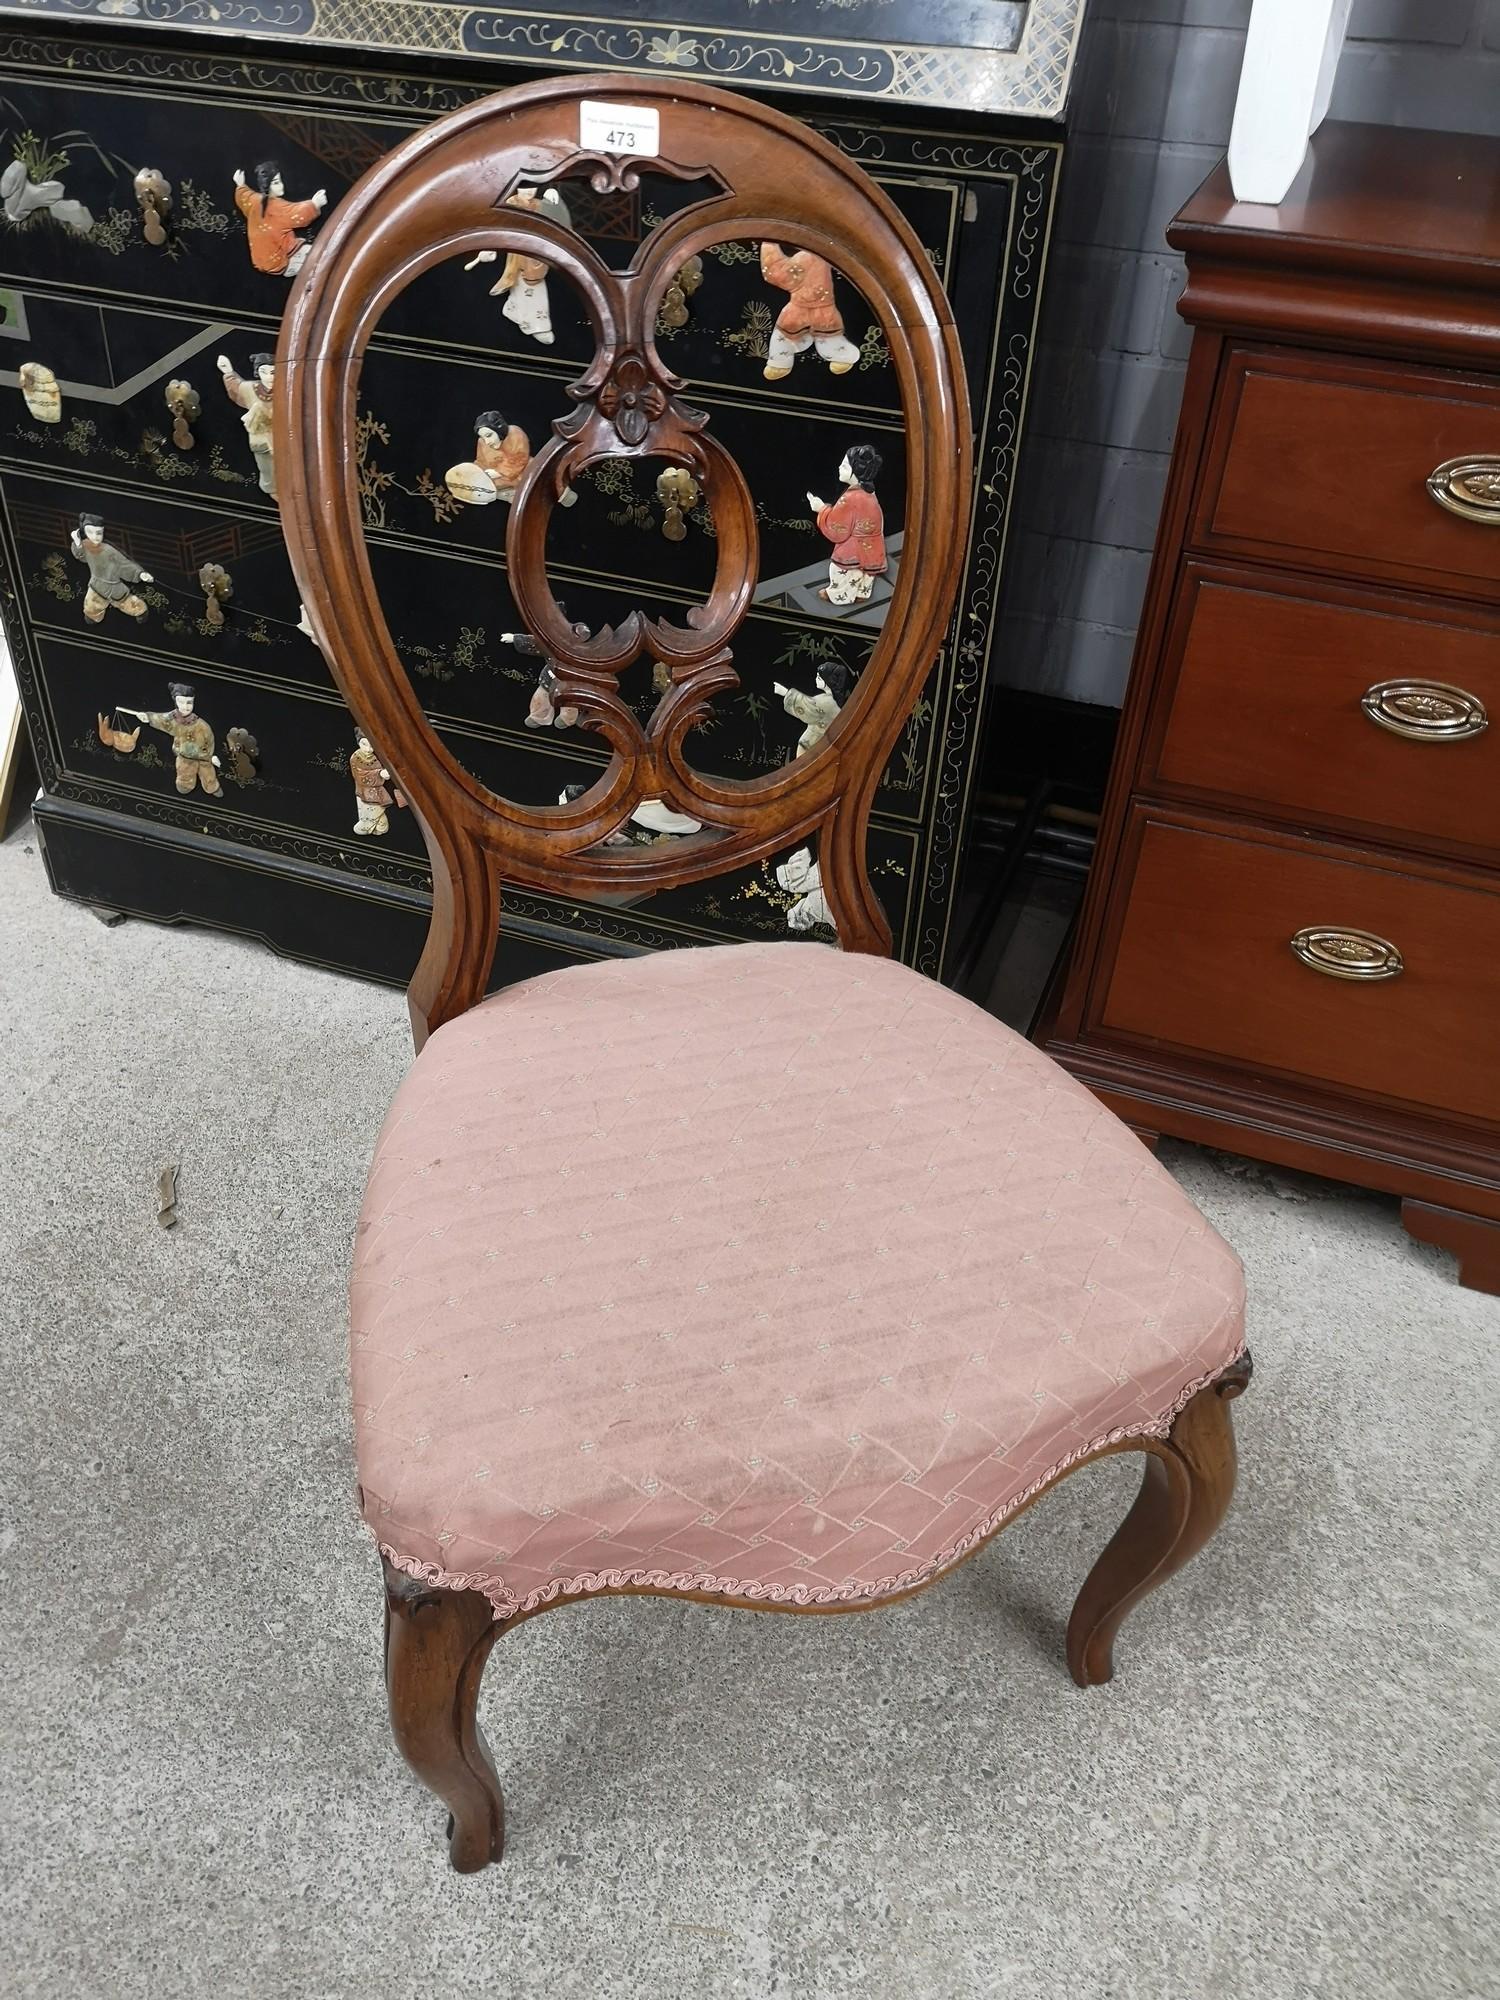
(766, 1270)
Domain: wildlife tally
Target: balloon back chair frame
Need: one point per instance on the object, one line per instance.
(440, 195)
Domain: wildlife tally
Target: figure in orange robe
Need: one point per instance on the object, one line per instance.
(856, 527)
(272, 222)
(523, 278)
(810, 317)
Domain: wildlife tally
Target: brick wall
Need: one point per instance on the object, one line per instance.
(1153, 101)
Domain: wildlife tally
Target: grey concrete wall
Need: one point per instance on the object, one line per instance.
(1151, 114)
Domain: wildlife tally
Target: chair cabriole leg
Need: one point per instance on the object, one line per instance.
(437, 1642)
(1185, 1494)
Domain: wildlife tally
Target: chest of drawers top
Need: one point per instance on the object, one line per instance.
(1388, 242)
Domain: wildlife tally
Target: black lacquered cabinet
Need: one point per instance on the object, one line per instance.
(98, 322)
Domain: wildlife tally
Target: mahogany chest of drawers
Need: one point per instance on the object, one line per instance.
(1290, 946)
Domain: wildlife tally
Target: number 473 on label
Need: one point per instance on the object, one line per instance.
(619, 128)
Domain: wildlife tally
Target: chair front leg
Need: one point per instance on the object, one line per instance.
(1185, 1494)
(436, 1644)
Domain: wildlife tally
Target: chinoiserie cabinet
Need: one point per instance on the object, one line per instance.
(160, 181)
(1290, 945)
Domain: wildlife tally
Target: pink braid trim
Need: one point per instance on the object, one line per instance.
(594, 1583)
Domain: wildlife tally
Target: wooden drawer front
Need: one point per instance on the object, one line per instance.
(1324, 463)
(1204, 962)
(1270, 679)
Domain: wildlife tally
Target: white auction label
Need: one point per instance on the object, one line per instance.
(619, 128)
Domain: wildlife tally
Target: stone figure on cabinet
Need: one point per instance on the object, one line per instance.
(272, 222)
(855, 526)
(502, 452)
(115, 738)
(544, 711)
(800, 876)
(112, 575)
(41, 391)
(810, 317)
(650, 822)
(523, 278)
(22, 198)
(817, 710)
(374, 793)
(192, 740)
(255, 398)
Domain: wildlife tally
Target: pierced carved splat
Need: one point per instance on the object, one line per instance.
(442, 195)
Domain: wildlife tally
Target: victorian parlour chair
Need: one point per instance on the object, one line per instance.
(769, 1275)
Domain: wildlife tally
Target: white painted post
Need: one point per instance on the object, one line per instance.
(1291, 56)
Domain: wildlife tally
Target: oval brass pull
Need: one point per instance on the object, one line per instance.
(1425, 711)
(1347, 954)
(1468, 486)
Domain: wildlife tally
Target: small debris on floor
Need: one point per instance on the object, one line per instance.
(1286, 1183)
(109, 918)
(166, 1197)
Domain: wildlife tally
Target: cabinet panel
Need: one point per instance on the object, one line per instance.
(115, 320)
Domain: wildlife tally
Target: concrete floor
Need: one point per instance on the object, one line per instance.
(1288, 1791)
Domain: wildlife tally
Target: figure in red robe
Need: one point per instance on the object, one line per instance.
(856, 527)
(272, 222)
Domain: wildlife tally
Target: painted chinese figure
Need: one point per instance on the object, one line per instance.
(855, 526)
(373, 794)
(254, 397)
(272, 222)
(810, 317)
(523, 279)
(816, 711)
(192, 740)
(111, 574)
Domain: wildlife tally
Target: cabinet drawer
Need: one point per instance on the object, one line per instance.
(1320, 706)
(1325, 463)
(1204, 961)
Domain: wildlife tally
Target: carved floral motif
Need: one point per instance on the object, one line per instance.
(631, 399)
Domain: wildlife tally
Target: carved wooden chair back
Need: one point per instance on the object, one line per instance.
(440, 195)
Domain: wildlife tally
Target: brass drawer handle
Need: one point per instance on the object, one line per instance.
(1468, 486)
(1347, 954)
(1425, 711)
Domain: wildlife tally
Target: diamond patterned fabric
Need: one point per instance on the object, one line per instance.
(760, 1269)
